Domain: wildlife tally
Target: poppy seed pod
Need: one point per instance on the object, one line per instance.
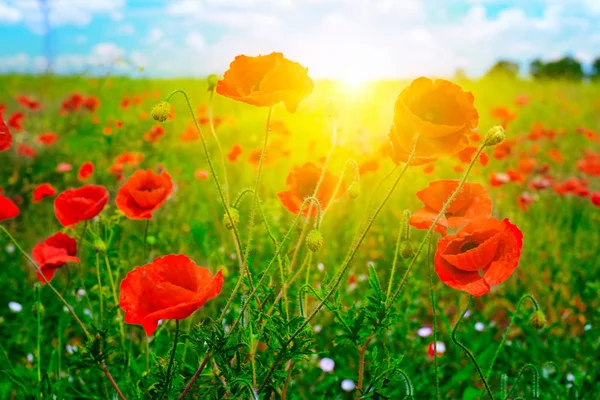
(354, 190)
(314, 240)
(495, 135)
(538, 320)
(406, 249)
(212, 82)
(160, 112)
(233, 221)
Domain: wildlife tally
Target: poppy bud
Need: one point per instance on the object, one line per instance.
(99, 245)
(160, 112)
(35, 309)
(354, 190)
(234, 220)
(212, 82)
(495, 135)
(314, 240)
(406, 249)
(538, 320)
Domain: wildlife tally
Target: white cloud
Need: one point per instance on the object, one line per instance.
(195, 41)
(125, 30)
(155, 35)
(9, 13)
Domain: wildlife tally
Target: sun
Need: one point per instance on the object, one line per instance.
(354, 81)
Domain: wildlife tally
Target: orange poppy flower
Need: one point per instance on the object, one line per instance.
(26, 150)
(53, 253)
(42, 191)
(143, 193)
(8, 209)
(471, 202)
(29, 103)
(154, 134)
(439, 115)
(201, 174)
(81, 204)
(503, 115)
(265, 81)
(5, 136)
(234, 153)
(85, 171)
(190, 134)
(15, 121)
(171, 287)
(91, 103)
(482, 254)
(302, 181)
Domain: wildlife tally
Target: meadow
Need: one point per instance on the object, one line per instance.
(374, 334)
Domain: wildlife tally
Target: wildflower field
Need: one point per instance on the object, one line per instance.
(263, 235)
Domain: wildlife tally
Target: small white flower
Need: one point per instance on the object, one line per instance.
(326, 364)
(30, 357)
(468, 314)
(10, 248)
(425, 331)
(320, 266)
(440, 347)
(570, 377)
(71, 348)
(81, 293)
(348, 385)
(361, 278)
(87, 312)
(15, 307)
(318, 328)
(370, 264)
(232, 256)
(587, 327)
(479, 326)
(160, 322)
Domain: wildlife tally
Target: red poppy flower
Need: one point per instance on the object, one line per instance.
(85, 171)
(466, 156)
(43, 190)
(525, 200)
(47, 139)
(521, 100)
(590, 163)
(15, 121)
(439, 114)
(143, 193)
(368, 166)
(235, 152)
(154, 134)
(29, 103)
(8, 209)
(503, 115)
(26, 150)
(171, 287)
(189, 135)
(595, 199)
(482, 254)
(129, 158)
(81, 204)
(91, 103)
(72, 103)
(540, 182)
(53, 253)
(5, 135)
(302, 181)
(471, 202)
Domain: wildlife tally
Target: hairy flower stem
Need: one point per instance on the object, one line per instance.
(115, 296)
(211, 167)
(396, 256)
(67, 305)
(146, 241)
(433, 310)
(255, 194)
(536, 381)
(341, 180)
(211, 125)
(510, 325)
(467, 351)
(99, 288)
(277, 252)
(361, 365)
(171, 360)
(190, 384)
(38, 310)
(352, 252)
(432, 227)
(334, 130)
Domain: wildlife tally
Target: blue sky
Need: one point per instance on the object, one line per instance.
(347, 39)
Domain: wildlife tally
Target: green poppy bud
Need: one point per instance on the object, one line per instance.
(538, 320)
(354, 190)
(494, 136)
(314, 240)
(161, 111)
(234, 220)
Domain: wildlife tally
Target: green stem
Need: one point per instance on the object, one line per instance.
(395, 262)
(467, 351)
(255, 197)
(536, 381)
(510, 325)
(433, 225)
(146, 241)
(341, 180)
(268, 268)
(115, 296)
(172, 359)
(99, 288)
(352, 252)
(308, 265)
(211, 124)
(211, 167)
(39, 334)
(433, 310)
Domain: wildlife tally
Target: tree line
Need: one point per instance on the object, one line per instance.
(568, 68)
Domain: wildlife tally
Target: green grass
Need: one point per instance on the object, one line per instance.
(559, 266)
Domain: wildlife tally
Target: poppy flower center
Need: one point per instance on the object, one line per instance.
(470, 245)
